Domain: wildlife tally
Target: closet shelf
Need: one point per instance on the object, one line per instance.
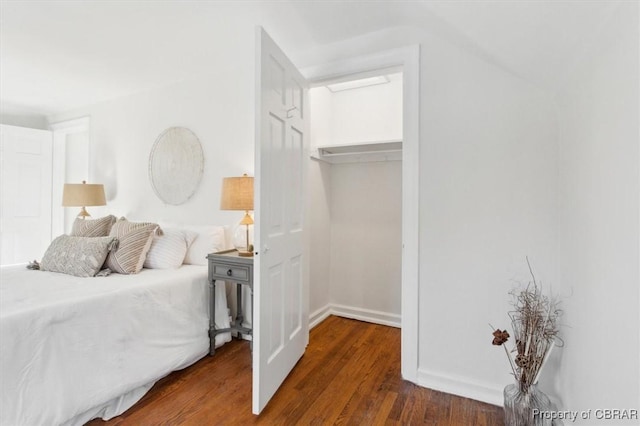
(360, 152)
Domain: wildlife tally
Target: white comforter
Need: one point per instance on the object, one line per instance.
(75, 348)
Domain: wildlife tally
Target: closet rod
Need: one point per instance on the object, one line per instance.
(342, 154)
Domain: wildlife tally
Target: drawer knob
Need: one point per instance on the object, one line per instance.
(229, 272)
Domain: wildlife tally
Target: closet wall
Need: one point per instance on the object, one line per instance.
(355, 211)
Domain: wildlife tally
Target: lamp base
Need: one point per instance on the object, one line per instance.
(83, 213)
(241, 241)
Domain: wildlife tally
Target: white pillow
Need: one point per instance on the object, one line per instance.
(210, 239)
(168, 250)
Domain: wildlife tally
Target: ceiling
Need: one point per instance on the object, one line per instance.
(60, 55)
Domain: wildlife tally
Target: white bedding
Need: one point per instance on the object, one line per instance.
(75, 348)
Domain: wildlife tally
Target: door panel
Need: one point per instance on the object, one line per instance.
(293, 294)
(25, 204)
(281, 326)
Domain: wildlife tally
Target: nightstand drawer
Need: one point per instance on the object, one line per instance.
(222, 272)
(229, 266)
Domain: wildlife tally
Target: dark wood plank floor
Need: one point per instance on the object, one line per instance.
(349, 375)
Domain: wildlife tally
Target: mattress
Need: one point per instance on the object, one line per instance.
(75, 348)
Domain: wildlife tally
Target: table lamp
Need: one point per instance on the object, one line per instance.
(237, 194)
(82, 195)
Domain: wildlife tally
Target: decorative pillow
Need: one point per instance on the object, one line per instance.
(168, 251)
(134, 240)
(79, 256)
(92, 227)
(210, 239)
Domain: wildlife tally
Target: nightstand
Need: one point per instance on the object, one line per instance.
(229, 266)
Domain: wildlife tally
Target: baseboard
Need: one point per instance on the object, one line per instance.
(461, 387)
(318, 316)
(368, 315)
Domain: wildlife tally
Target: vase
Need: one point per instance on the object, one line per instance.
(526, 407)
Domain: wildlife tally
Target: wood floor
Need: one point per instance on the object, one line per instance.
(349, 375)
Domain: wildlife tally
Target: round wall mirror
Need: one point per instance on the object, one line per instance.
(176, 164)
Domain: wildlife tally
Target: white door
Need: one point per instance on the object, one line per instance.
(281, 282)
(25, 203)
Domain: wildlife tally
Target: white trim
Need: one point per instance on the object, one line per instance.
(409, 59)
(352, 312)
(368, 315)
(76, 125)
(318, 316)
(357, 84)
(460, 386)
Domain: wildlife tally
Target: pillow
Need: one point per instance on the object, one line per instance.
(210, 239)
(92, 227)
(79, 256)
(134, 240)
(168, 250)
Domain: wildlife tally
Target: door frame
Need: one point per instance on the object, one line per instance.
(408, 58)
(60, 131)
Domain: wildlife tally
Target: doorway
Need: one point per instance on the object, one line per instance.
(281, 135)
(355, 186)
(408, 60)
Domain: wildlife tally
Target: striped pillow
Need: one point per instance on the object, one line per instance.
(92, 227)
(134, 240)
(168, 250)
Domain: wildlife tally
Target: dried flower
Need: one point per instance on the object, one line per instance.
(522, 361)
(534, 321)
(500, 337)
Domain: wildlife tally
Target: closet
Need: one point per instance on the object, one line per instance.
(355, 212)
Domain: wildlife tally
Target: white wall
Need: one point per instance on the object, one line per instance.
(217, 106)
(599, 231)
(488, 198)
(218, 109)
(488, 190)
(76, 170)
(366, 237)
(76, 153)
(319, 206)
(320, 238)
(368, 114)
(356, 207)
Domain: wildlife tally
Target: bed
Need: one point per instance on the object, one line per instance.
(73, 349)
(76, 346)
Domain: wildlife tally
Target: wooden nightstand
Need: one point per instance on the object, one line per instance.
(228, 266)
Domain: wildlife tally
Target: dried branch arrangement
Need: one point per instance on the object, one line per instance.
(534, 323)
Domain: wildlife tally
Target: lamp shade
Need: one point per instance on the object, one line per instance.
(237, 193)
(83, 195)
